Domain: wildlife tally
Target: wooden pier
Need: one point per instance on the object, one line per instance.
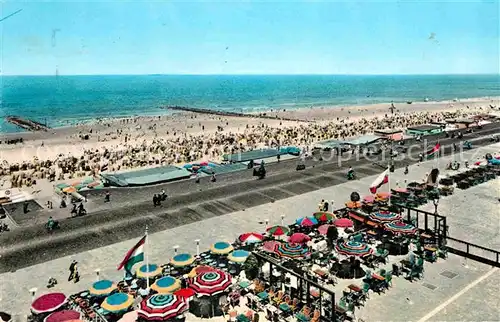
(27, 124)
(233, 114)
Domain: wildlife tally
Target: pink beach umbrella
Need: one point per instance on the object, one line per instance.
(299, 238)
(48, 303)
(343, 223)
(270, 245)
(323, 229)
(369, 199)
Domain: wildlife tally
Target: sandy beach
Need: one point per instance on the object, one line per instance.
(118, 144)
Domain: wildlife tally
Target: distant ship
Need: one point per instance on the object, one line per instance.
(426, 99)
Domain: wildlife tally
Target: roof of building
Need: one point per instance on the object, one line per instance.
(462, 120)
(329, 144)
(388, 131)
(362, 140)
(425, 127)
(252, 155)
(146, 176)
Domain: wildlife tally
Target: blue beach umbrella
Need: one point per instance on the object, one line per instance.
(117, 302)
(102, 287)
(221, 248)
(148, 271)
(238, 256)
(167, 284)
(181, 260)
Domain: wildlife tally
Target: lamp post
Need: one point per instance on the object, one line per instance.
(267, 223)
(282, 220)
(97, 272)
(197, 241)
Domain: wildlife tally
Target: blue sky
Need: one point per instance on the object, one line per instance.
(331, 37)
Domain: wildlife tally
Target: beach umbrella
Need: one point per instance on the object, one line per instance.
(383, 195)
(291, 250)
(278, 230)
(400, 190)
(307, 221)
(148, 271)
(270, 245)
(48, 303)
(221, 248)
(323, 216)
(117, 302)
(353, 204)
(69, 189)
(400, 227)
(162, 307)
(182, 260)
(299, 238)
(167, 284)
(200, 269)
(250, 238)
(238, 256)
(343, 223)
(185, 293)
(129, 317)
(368, 199)
(353, 248)
(384, 216)
(323, 229)
(102, 288)
(63, 316)
(210, 283)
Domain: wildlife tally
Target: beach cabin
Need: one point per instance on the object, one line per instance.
(390, 134)
(423, 130)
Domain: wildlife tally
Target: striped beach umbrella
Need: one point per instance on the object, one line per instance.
(288, 250)
(384, 216)
(117, 302)
(102, 288)
(307, 221)
(238, 256)
(48, 303)
(323, 216)
(148, 271)
(278, 230)
(353, 248)
(182, 260)
(210, 283)
(221, 248)
(167, 284)
(162, 307)
(400, 227)
(63, 316)
(250, 238)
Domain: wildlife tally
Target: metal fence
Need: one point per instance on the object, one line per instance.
(474, 252)
(427, 221)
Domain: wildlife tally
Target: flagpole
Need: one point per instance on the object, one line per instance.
(146, 244)
(389, 182)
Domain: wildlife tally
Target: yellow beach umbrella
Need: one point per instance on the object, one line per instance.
(148, 271)
(167, 284)
(102, 287)
(221, 248)
(181, 260)
(117, 302)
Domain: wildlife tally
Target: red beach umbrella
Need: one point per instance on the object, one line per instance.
(161, 307)
(250, 238)
(186, 293)
(63, 316)
(210, 283)
(48, 303)
(323, 229)
(299, 238)
(343, 223)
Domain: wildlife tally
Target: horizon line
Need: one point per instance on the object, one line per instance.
(251, 74)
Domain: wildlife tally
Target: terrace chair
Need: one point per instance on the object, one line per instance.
(388, 279)
(306, 311)
(368, 275)
(295, 303)
(382, 254)
(278, 298)
(358, 238)
(287, 299)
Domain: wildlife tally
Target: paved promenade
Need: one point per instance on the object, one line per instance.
(434, 298)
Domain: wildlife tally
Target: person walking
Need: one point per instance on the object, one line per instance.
(406, 170)
(73, 272)
(107, 197)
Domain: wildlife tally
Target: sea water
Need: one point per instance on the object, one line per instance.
(66, 100)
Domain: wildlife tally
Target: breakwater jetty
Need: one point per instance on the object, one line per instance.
(27, 124)
(233, 114)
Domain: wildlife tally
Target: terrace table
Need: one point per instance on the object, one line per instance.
(354, 288)
(378, 277)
